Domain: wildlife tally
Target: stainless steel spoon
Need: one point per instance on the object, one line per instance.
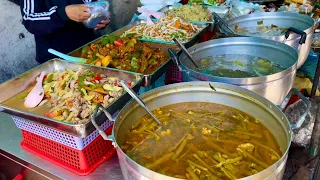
(184, 49)
(140, 102)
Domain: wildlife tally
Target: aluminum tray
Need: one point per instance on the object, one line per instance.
(191, 42)
(170, 7)
(148, 78)
(26, 80)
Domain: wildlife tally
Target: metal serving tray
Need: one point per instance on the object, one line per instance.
(170, 7)
(191, 42)
(16, 85)
(148, 79)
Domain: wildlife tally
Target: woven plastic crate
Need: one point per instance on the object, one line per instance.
(81, 162)
(57, 136)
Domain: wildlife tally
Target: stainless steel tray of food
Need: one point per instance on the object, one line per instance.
(170, 7)
(13, 104)
(191, 42)
(151, 77)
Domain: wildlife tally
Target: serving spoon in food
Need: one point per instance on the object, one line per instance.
(184, 49)
(36, 94)
(140, 102)
(67, 57)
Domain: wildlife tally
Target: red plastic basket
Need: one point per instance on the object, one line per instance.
(81, 162)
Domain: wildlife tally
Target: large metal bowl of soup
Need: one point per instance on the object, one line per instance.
(264, 66)
(211, 103)
(273, 25)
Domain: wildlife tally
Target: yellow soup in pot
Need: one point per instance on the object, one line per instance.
(200, 140)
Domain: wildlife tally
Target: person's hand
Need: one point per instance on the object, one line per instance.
(78, 12)
(103, 23)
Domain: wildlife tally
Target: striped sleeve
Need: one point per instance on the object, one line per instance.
(38, 20)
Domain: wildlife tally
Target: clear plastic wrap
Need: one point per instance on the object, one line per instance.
(99, 11)
(301, 136)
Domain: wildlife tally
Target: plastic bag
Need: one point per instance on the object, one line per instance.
(304, 83)
(99, 11)
(302, 135)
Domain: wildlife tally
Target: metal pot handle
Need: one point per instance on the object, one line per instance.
(305, 100)
(297, 31)
(109, 116)
(174, 56)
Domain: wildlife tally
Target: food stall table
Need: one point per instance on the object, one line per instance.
(10, 139)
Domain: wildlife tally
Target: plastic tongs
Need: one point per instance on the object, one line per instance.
(148, 13)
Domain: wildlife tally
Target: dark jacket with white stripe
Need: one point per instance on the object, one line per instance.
(52, 28)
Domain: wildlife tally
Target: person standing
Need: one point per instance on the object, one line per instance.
(57, 24)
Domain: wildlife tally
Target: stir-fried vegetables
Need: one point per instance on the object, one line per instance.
(191, 13)
(73, 95)
(166, 29)
(201, 141)
(124, 53)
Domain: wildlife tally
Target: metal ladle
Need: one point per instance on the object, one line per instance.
(223, 22)
(184, 49)
(140, 102)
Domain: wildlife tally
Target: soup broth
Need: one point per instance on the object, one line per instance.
(200, 140)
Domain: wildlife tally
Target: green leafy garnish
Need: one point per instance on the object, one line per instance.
(41, 94)
(260, 22)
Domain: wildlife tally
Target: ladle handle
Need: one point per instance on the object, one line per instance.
(136, 97)
(223, 22)
(297, 31)
(185, 51)
(174, 57)
(101, 132)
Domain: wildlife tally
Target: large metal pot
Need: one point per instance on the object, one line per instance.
(274, 87)
(226, 94)
(282, 19)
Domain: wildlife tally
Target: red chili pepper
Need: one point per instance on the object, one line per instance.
(97, 77)
(130, 84)
(118, 43)
(50, 114)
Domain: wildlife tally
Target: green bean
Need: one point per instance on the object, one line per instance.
(184, 154)
(253, 165)
(228, 174)
(266, 147)
(180, 149)
(192, 174)
(137, 123)
(269, 139)
(159, 161)
(227, 141)
(228, 166)
(255, 160)
(153, 134)
(196, 165)
(202, 162)
(229, 161)
(216, 147)
(213, 177)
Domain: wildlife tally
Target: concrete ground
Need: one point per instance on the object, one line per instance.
(17, 54)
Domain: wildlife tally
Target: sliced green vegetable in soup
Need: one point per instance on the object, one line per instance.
(202, 141)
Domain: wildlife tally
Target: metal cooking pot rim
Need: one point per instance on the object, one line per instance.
(244, 40)
(266, 15)
(249, 94)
